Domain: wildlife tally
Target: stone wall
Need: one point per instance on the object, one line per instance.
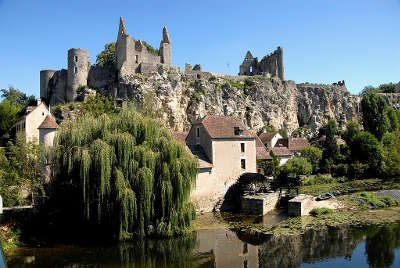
(259, 204)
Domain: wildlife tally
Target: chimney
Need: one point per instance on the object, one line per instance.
(38, 101)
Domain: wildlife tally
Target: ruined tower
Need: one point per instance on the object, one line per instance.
(137, 56)
(78, 70)
(165, 48)
(279, 55)
(120, 47)
(45, 76)
(271, 64)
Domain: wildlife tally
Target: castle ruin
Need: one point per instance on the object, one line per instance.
(132, 56)
(271, 64)
(135, 56)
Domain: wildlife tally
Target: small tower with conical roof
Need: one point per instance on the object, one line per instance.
(165, 48)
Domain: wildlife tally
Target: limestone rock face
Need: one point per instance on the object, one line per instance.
(257, 101)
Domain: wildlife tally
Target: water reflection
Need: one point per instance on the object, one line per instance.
(374, 247)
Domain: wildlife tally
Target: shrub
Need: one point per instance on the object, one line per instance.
(316, 212)
(370, 199)
(313, 155)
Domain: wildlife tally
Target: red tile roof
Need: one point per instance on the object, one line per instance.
(224, 127)
(281, 151)
(261, 152)
(266, 137)
(180, 136)
(49, 122)
(298, 144)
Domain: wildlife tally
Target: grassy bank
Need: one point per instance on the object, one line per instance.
(297, 225)
(350, 186)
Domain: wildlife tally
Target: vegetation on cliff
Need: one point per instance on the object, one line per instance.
(124, 174)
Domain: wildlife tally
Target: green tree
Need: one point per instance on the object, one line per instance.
(375, 119)
(387, 88)
(16, 97)
(367, 150)
(20, 167)
(107, 56)
(391, 154)
(98, 105)
(394, 118)
(313, 155)
(329, 147)
(9, 114)
(290, 173)
(352, 129)
(124, 174)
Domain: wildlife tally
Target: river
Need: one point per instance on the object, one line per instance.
(376, 246)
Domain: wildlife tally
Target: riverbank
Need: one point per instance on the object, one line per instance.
(298, 225)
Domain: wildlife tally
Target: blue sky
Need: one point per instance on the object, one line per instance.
(323, 40)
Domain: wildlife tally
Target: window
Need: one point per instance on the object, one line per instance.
(243, 163)
(197, 132)
(76, 58)
(251, 69)
(136, 58)
(242, 147)
(42, 114)
(75, 69)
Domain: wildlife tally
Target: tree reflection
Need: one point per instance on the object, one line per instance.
(380, 245)
(176, 252)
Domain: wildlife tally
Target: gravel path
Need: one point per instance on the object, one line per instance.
(393, 193)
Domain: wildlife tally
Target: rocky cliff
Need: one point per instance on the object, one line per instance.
(257, 100)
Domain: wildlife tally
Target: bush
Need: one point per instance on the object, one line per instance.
(313, 155)
(371, 200)
(316, 212)
(318, 179)
(290, 173)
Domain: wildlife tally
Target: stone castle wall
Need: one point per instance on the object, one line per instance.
(271, 64)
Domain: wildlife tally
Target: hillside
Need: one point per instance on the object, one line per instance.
(257, 100)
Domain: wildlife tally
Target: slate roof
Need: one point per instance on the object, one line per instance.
(224, 127)
(49, 122)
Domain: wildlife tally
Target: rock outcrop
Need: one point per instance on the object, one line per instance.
(257, 100)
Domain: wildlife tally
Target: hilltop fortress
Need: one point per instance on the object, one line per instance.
(132, 56)
(258, 96)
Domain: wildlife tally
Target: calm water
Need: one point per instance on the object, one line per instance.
(341, 247)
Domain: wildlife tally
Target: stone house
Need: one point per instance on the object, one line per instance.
(295, 145)
(283, 148)
(37, 124)
(225, 149)
(269, 139)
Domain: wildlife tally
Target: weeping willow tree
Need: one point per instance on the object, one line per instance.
(124, 172)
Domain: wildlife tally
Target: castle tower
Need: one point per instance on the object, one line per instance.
(121, 47)
(165, 48)
(78, 69)
(45, 76)
(281, 69)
